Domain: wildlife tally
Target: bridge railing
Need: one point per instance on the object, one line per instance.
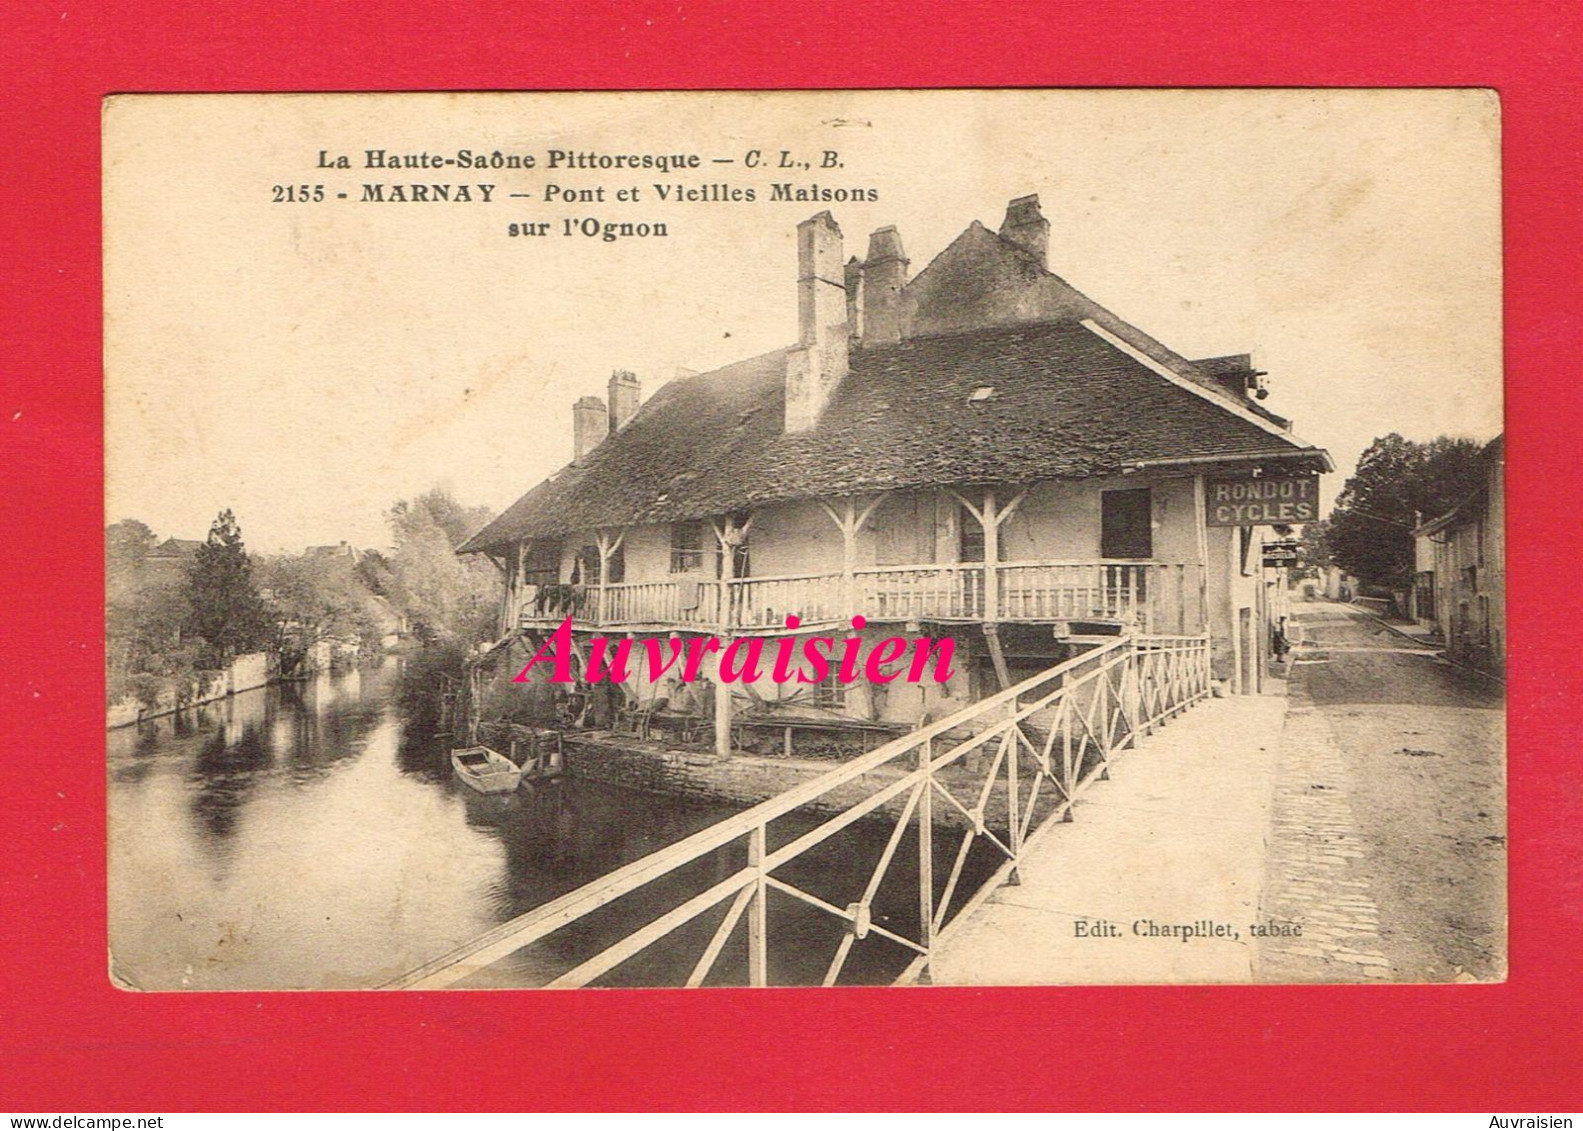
(996, 774)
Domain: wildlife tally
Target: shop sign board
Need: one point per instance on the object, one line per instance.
(1265, 500)
(1280, 553)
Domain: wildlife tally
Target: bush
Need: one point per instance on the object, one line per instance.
(145, 687)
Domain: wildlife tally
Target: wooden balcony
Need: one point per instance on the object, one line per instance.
(637, 605)
(1150, 597)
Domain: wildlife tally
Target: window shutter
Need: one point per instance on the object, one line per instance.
(1126, 524)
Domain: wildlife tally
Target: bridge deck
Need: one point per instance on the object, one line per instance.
(1176, 836)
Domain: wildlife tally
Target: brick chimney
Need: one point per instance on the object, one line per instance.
(818, 362)
(1026, 227)
(590, 425)
(884, 275)
(625, 394)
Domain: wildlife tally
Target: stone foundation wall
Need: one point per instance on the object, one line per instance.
(746, 780)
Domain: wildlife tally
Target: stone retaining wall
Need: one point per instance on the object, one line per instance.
(745, 779)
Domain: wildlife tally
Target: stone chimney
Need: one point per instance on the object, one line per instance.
(1026, 227)
(818, 362)
(854, 297)
(884, 275)
(590, 425)
(1235, 373)
(625, 394)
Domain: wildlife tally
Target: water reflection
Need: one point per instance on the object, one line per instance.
(301, 836)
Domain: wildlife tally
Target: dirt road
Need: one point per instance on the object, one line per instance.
(1388, 846)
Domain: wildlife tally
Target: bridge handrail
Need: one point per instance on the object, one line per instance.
(1114, 716)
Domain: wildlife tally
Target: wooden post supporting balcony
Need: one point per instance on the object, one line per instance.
(850, 520)
(991, 518)
(730, 536)
(607, 546)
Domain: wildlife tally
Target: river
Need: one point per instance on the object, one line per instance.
(296, 837)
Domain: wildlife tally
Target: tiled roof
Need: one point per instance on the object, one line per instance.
(1065, 403)
(176, 548)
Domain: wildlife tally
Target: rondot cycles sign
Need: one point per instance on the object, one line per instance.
(1248, 500)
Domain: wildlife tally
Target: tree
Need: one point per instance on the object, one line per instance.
(144, 609)
(1313, 551)
(447, 599)
(374, 571)
(224, 607)
(1398, 484)
(317, 598)
(127, 543)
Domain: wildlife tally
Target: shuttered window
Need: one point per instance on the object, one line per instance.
(970, 547)
(1126, 520)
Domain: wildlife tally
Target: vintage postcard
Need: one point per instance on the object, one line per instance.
(820, 538)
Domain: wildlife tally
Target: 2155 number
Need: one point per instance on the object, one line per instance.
(294, 194)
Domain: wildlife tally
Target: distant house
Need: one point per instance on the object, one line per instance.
(343, 550)
(1340, 585)
(169, 559)
(1468, 576)
(976, 451)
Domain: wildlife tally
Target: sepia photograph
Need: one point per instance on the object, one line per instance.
(824, 538)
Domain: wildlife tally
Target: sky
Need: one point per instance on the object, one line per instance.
(306, 363)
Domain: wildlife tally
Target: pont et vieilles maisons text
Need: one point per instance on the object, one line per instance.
(576, 193)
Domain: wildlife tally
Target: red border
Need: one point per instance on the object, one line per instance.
(69, 1042)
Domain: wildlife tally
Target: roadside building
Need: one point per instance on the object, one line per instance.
(978, 451)
(1421, 598)
(1468, 545)
(1340, 585)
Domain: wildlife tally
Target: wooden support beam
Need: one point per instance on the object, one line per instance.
(959, 497)
(991, 523)
(607, 547)
(863, 515)
(1011, 508)
(996, 655)
(722, 713)
(729, 535)
(850, 520)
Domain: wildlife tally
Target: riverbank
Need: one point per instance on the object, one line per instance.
(304, 836)
(245, 673)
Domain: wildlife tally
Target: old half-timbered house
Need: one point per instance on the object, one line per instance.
(976, 451)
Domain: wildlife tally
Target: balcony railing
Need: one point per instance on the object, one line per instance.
(1154, 597)
(659, 603)
(1151, 597)
(766, 602)
(641, 604)
(934, 592)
